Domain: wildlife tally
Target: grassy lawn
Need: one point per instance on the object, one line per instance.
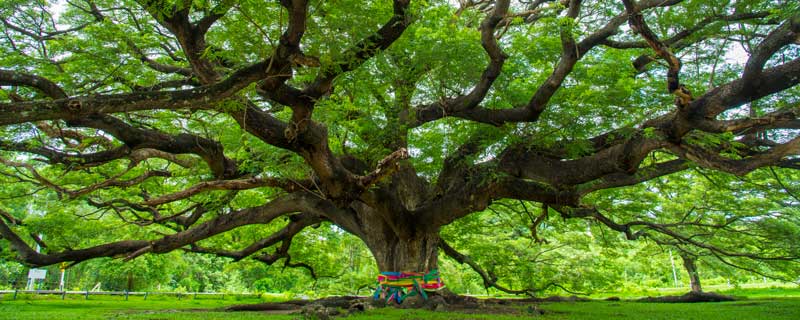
(766, 303)
(52, 307)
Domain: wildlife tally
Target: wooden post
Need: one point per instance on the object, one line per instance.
(15, 293)
(145, 296)
(126, 295)
(63, 294)
(87, 295)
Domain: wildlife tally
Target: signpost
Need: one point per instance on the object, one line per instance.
(35, 274)
(63, 269)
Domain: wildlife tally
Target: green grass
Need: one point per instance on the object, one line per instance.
(752, 290)
(763, 303)
(105, 307)
(761, 293)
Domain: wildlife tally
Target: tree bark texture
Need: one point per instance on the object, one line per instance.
(690, 263)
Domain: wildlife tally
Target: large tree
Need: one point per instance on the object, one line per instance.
(390, 120)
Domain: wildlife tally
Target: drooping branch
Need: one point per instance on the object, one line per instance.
(297, 223)
(283, 253)
(133, 248)
(489, 279)
(241, 184)
(666, 229)
(160, 67)
(27, 255)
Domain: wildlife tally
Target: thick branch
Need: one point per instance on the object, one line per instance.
(363, 50)
(739, 92)
(465, 105)
(9, 218)
(80, 107)
(137, 138)
(621, 179)
(385, 168)
(15, 78)
(625, 156)
(80, 159)
(637, 23)
(714, 160)
(782, 36)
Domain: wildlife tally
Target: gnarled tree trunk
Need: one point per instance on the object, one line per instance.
(398, 241)
(415, 253)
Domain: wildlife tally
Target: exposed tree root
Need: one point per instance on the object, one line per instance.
(328, 308)
(331, 302)
(444, 300)
(690, 297)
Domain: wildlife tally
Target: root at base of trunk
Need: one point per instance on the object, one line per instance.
(442, 300)
(690, 297)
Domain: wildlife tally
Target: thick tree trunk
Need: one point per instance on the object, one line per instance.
(415, 254)
(689, 262)
(399, 239)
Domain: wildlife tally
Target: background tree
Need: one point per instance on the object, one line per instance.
(191, 121)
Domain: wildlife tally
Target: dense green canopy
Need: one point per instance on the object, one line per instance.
(523, 139)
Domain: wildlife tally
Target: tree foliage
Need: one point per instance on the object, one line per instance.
(230, 128)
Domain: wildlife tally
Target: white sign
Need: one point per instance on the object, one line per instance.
(37, 273)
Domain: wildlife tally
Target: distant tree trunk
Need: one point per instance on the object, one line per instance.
(130, 281)
(689, 262)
